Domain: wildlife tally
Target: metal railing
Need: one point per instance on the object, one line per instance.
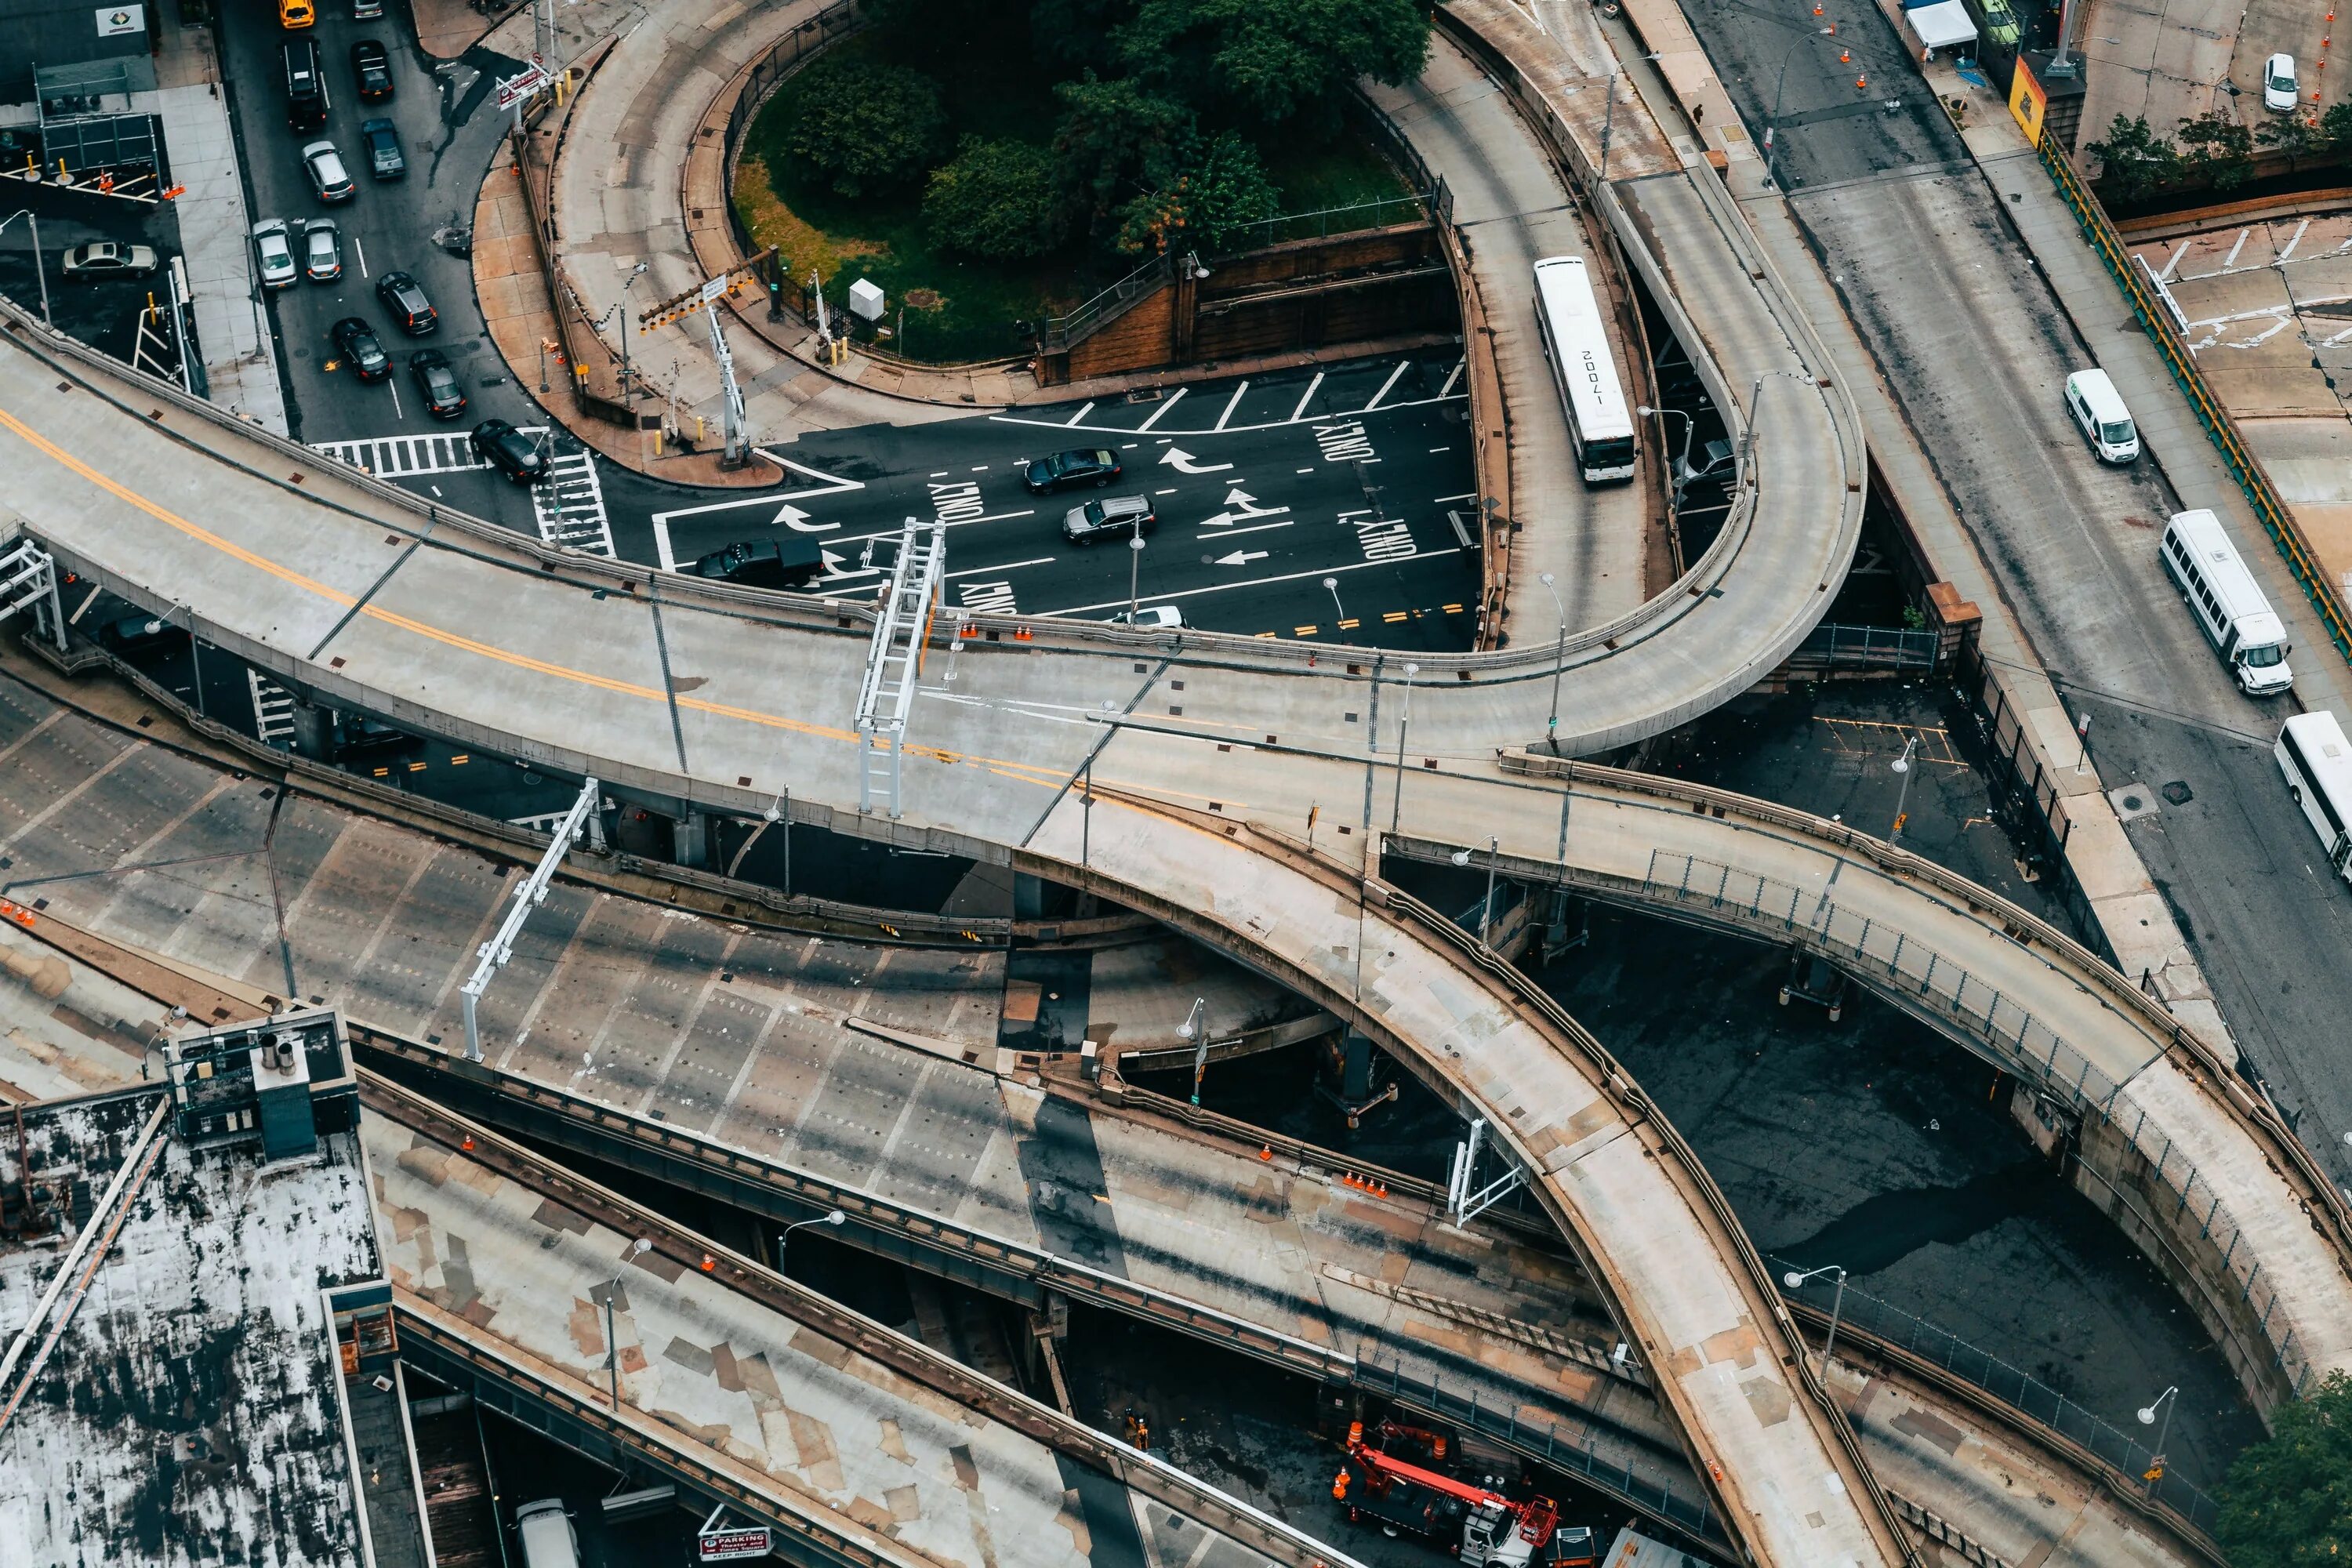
(1059, 332)
(2020, 1390)
(1926, 983)
(2276, 521)
(1381, 212)
(1838, 646)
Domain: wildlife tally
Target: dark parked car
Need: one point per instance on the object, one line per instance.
(357, 341)
(510, 451)
(792, 562)
(1087, 466)
(104, 258)
(381, 139)
(1117, 518)
(373, 68)
(437, 383)
(412, 312)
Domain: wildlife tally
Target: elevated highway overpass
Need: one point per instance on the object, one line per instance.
(371, 599)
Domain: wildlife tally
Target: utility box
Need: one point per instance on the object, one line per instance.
(866, 300)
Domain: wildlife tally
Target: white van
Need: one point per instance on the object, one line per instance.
(548, 1540)
(2227, 602)
(2099, 409)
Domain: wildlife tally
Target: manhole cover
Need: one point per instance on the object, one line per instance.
(2134, 803)
(2178, 792)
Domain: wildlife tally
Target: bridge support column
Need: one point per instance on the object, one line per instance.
(314, 728)
(690, 839)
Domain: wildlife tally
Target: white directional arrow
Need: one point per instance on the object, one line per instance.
(834, 567)
(1182, 461)
(1242, 557)
(796, 520)
(1240, 505)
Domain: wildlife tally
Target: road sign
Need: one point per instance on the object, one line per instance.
(732, 1545)
(716, 287)
(513, 89)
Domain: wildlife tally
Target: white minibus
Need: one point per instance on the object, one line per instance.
(2227, 602)
(2099, 409)
(2317, 762)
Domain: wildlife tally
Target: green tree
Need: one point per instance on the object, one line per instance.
(2293, 135)
(2335, 125)
(995, 199)
(1207, 207)
(1273, 61)
(2134, 162)
(2220, 151)
(1115, 138)
(863, 125)
(2288, 1502)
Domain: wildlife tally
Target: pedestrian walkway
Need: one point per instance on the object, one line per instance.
(570, 505)
(406, 456)
(240, 365)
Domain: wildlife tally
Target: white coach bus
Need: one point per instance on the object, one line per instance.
(1576, 340)
(2227, 602)
(2317, 762)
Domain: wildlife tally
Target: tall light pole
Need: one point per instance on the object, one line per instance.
(1134, 570)
(2166, 1401)
(40, 269)
(1331, 586)
(1772, 121)
(1902, 766)
(1682, 463)
(1837, 1304)
(628, 400)
(832, 1216)
(1559, 657)
(638, 1249)
(1396, 806)
(1486, 910)
(1195, 1028)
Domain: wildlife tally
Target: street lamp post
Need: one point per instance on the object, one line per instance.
(638, 1249)
(40, 269)
(1396, 805)
(1331, 586)
(1902, 766)
(1558, 658)
(2166, 1401)
(1486, 910)
(1134, 574)
(832, 1216)
(628, 401)
(1772, 121)
(1195, 1028)
(1681, 464)
(1837, 1304)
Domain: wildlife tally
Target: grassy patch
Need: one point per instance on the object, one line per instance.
(1339, 172)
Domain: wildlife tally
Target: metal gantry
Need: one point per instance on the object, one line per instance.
(894, 662)
(500, 948)
(28, 580)
(733, 425)
(1463, 1205)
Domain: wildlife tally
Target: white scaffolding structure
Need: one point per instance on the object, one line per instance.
(28, 580)
(1462, 1204)
(495, 952)
(894, 662)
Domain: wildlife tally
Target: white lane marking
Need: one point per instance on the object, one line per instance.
(1306, 470)
(2172, 265)
(1007, 566)
(1161, 411)
(1307, 397)
(569, 505)
(2288, 254)
(1402, 365)
(358, 249)
(2231, 260)
(1318, 571)
(1452, 376)
(1230, 430)
(1084, 409)
(1466, 495)
(1253, 528)
(392, 383)
(1183, 462)
(1231, 404)
(825, 484)
(1169, 491)
(410, 456)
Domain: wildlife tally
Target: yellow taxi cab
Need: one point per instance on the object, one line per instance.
(297, 13)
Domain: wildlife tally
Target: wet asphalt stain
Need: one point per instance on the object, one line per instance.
(1886, 1227)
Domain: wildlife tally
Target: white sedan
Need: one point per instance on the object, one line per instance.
(275, 249)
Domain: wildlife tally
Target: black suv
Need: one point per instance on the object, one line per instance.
(358, 343)
(510, 451)
(373, 68)
(1089, 465)
(403, 296)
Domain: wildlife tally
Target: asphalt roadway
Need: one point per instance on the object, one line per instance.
(1975, 348)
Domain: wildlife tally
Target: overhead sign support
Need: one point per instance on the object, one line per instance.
(895, 661)
(28, 579)
(495, 952)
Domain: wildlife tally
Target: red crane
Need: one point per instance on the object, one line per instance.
(1496, 1531)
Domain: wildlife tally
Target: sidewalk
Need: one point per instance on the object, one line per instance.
(240, 362)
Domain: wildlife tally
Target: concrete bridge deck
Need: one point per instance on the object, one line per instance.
(865, 1445)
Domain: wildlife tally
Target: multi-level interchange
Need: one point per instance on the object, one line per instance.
(1256, 798)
